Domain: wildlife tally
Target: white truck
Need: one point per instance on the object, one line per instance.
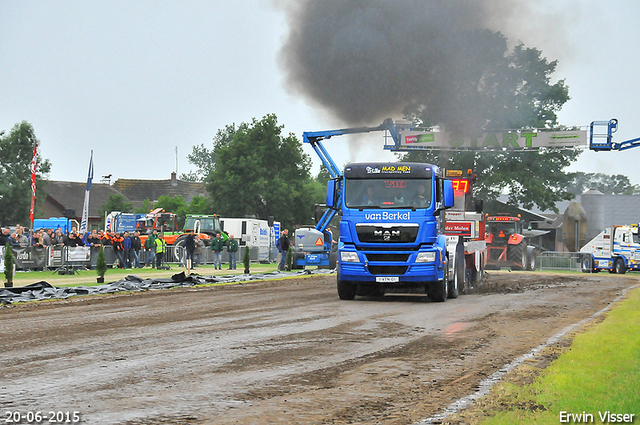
(255, 233)
(616, 249)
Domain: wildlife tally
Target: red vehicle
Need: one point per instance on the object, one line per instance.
(506, 244)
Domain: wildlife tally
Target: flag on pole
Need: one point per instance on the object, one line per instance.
(33, 183)
(85, 208)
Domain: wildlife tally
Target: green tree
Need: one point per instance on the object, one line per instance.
(16, 153)
(501, 90)
(116, 202)
(617, 184)
(145, 208)
(260, 172)
(200, 205)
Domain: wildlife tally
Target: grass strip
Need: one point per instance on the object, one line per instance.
(595, 379)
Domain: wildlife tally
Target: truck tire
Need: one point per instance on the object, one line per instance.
(620, 267)
(346, 290)
(517, 254)
(458, 283)
(586, 263)
(438, 291)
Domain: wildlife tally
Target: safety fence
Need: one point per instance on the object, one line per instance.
(82, 257)
(555, 260)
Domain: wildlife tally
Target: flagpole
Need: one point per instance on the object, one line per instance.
(33, 184)
(85, 208)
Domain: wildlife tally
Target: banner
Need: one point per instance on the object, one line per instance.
(78, 253)
(33, 182)
(30, 257)
(509, 140)
(85, 208)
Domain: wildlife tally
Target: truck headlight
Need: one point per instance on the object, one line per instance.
(349, 257)
(426, 257)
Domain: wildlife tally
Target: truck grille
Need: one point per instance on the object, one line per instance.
(401, 258)
(387, 270)
(387, 233)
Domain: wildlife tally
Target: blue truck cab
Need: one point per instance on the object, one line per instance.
(391, 229)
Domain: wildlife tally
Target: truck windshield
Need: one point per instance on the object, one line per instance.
(389, 193)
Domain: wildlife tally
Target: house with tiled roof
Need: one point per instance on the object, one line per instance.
(66, 199)
(137, 190)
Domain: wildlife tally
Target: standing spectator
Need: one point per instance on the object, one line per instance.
(283, 248)
(23, 240)
(126, 249)
(58, 238)
(150, 247)
(107, 238)
(46, 237)
(37, 239)
(136, 244)
(160, 249)
(190, 247)
(74, 241)
(216, 246)
(93, 240)
(232, 249)
(4, 237)
(199, 250)
(118, 246)
(14, 240)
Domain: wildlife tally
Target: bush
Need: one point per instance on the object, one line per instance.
(246, 258)
(101, 264)
(8, 266)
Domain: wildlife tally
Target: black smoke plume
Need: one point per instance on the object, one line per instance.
(365, 60)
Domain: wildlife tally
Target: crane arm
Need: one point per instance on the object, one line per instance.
(315, 138)
(601, 137)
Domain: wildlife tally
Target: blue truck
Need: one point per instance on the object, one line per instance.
(391, 229)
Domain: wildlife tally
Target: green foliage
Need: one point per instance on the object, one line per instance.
(175, 204)
(254, 170)
(145, 208)
(101, 264)
(116, 202)
(502, 90)
(607, 184)
(246, 258)
(8, 265)
(16, 153)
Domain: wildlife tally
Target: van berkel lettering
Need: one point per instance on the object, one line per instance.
(388, 216)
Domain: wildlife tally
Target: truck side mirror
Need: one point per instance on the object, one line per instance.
(448, 194)
(331, 193)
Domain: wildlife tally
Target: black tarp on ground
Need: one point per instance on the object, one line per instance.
(43, 290)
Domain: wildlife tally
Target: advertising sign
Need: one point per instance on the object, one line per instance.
(510, 140)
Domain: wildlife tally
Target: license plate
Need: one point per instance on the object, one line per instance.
(387, 279)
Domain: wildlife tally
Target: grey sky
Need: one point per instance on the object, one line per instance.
(133, 80)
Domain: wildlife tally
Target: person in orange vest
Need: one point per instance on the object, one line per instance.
(118, 246)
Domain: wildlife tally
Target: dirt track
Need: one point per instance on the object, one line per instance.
(283, 351)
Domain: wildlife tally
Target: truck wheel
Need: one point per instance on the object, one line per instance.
(620, 267)
(437, 291)
(517, 254)
(458, 283)
(586, 264)
(346, 290)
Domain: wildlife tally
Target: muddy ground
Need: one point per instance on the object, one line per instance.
(286, 351)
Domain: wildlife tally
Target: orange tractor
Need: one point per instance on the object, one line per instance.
(507, 246)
